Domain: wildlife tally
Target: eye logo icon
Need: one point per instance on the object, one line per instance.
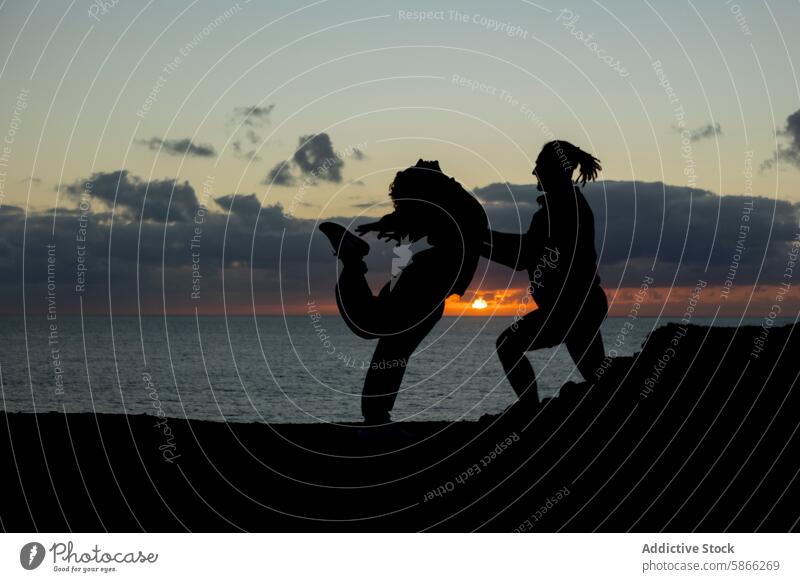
(31, 555)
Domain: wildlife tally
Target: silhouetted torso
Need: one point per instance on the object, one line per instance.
(430, 278)
(561, 257)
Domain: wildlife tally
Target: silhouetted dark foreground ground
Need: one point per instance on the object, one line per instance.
(700, 431)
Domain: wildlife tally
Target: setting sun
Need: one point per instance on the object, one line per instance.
(479, 304)
(498, 302)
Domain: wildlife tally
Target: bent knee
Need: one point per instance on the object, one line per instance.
(508, 343)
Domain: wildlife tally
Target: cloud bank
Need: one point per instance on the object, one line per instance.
(144, 243)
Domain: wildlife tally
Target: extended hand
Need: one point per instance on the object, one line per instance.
(385, 228)
(363, 229)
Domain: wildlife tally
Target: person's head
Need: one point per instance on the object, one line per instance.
(557, 163)
(428, 203)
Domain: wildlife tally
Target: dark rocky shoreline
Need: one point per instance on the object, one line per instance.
(697, 432)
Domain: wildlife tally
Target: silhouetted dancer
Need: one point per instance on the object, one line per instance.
(558, 252)
(427, 203)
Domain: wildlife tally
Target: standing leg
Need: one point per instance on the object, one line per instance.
(529, 333)
(587, 351)
(385, 374)
(585, 342)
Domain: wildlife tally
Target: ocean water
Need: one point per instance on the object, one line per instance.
(269, 369)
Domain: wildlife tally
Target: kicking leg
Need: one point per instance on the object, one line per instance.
(357, 305)
(356, 302)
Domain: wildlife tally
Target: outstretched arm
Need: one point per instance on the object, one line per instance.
(386, 228)
(505, 248)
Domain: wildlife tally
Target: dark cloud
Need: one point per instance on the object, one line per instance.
(151, 263)
(240, 205)
(280, 175)
(788, 153)
(247, 123)
(680, 230)
(316, 159)
(178, 147)
(498, 194)
(705, 132)
(382, 205)
(253, 115)
(159, 200)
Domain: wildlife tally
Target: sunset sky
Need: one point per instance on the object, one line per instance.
(225, 112)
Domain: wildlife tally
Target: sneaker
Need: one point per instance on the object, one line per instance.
(345, 244)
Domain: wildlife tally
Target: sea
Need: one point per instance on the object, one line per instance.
(274, 369)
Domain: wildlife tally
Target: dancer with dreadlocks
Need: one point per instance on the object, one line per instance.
(559, 254)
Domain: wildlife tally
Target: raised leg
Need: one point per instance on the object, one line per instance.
(358, 306)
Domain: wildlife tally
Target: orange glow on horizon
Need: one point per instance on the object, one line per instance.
(660, 301)
(487, 302)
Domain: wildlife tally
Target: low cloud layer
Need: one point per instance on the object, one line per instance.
(678, 234)
(161, 238)
(131, 197)
(244, 205)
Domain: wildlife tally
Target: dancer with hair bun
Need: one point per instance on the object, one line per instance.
(427, 205)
